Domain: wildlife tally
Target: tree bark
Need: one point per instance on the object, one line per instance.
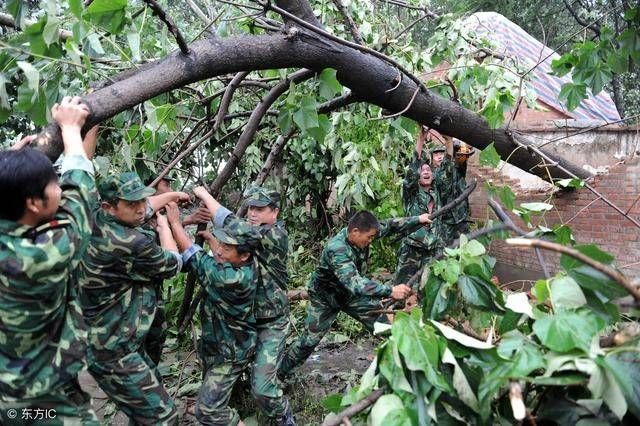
(367, 76)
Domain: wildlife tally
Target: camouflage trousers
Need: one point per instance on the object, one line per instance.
(132, 384)
(157, 335)
(212, 407)
(411, 259)
(451, 231)
(322, 309)
(67, 406)
(265, 385)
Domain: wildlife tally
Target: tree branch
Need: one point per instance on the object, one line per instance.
(173, 29)
(616, 276)
(348, 22)
(355, 408)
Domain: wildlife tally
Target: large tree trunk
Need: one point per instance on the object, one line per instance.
(367, 76)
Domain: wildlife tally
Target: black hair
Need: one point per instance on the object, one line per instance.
(24, 173)
(243, 248)
(363, 220)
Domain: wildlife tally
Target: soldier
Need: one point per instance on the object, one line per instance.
(450, 182)
(271, 307)
(229, 334)
(45, 225)
(338, 283)
(418, 196)
(118, 297)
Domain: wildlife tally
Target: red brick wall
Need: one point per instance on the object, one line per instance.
(591, 223)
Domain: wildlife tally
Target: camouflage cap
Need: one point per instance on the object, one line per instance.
(239, 233)
(127, 186)
(438, 148)
(259, 196)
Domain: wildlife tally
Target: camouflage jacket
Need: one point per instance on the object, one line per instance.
(449, 181)
(42, 334)
(416, 201)
(226, 314)
(118, 275)
(271, 292)
(342, 264)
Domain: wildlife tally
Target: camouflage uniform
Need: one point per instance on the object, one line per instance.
(338, 285)
(42, 334)
(228, 326)
(418, 248)
(449, 181)
(271, 308)
(118, 300)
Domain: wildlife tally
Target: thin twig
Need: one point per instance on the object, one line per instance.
(355, 408)
(173, 29)
(601, 267)
(348, 22)
(413, 98)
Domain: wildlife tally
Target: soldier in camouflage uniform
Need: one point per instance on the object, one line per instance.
(271, 307)
(418, 196)
(229, 334)
(44, 232)
(118, 297)
(450, 183)
(338, 283)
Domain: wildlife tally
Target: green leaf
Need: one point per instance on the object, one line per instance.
(630, 43)
(624, 365)
(32, 74)
(437, 297)
(591, 250)
(480, 293)
(306, 116)
(384, 406)
(18, 11)
(489, 156)
(285, 120)
(333, 403)
(536, 207)
(603, 384)
(320, 132)
(563, 235)
(76, 7)
(570, 183)
(566, 293)
(391, 368)
(460, 382)
(448, 269)
(563, 65)
(473, 248)
(570, 379)
(4, 96)
(50, 33)
(573, 94)
(133, 39)
(108, 14)
(504, 193)
(568, 330)
(541, 290)
(329, 84)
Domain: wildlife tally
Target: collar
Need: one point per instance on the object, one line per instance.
(12, 228)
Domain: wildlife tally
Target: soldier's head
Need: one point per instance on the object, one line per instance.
(262, 205)
(426, 176)
(362, 228)
(462, 152)
(125, 198)
(235, 243)
(163, 186)
(437, 155)
(29, 187)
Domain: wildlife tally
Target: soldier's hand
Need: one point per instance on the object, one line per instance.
(173, 213)
(202, 215)
(424, 218)
(161, 221)
(200, 192)
(182, 197)
(70, 112)
(400, 291)
(209, 239)
(23, 142)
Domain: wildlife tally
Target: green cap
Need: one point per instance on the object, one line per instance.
(127, 186)
(239, 233)
(438, 148)
(259, 196)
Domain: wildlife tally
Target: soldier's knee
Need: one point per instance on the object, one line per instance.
(216, 417)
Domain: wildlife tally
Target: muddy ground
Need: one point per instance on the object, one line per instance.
(331, 369)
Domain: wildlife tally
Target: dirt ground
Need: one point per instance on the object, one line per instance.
(331, 369)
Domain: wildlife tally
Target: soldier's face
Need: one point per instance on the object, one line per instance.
(426, 176)
(130, 213)
(362, 239)
(163, 187)
(229, 253)
(46, 207)
(436, 159)
(262, 215)
(460, 159)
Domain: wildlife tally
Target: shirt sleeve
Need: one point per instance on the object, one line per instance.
(213, 275)
(410, 183)
(348, 275)
(153, 261)
(399, 226)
